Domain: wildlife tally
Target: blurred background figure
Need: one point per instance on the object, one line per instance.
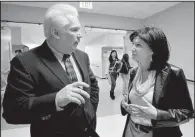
(113, 71)
(124, 71)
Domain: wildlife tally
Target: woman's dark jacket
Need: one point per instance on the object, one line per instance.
(170, 94)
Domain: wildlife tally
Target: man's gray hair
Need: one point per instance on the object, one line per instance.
(57, 16)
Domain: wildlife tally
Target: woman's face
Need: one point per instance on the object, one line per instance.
(113, 54)
(141, 52)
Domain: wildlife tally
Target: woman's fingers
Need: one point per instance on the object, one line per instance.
(134, 109)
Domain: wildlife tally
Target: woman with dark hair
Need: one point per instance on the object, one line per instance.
(114, 68)
(158, 100)
(124, 71)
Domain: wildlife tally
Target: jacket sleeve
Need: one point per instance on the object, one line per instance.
(183, 112)
(94, 95)
(20, 105)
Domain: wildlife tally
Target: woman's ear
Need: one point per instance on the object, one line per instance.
(151, 52)
(55, 33)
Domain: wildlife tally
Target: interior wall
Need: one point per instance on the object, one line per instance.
(178, 24)
(108, 39)
(35, 14)
(95, 56)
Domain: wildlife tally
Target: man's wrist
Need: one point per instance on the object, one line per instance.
(58, 108)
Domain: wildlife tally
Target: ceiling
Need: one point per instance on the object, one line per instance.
(139, 10)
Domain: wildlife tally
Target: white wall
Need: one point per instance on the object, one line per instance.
(95, 57)
(109, 21)
(178, 24)
(34, 14)
(108, 39)
(95, 53)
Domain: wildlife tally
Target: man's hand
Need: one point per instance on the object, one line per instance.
(72, 93)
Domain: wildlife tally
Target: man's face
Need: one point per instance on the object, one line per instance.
(69, 36)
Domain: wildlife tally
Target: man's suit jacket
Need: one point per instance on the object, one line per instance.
(170, 94)
(34, 79)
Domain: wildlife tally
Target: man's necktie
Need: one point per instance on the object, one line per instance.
(73, 78)
(69, 68)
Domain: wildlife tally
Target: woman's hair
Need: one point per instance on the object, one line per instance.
(125, 57)
(157, 42)
(110, 57)
(57, 15)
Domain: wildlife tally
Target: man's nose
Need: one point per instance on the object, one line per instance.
(79, 35)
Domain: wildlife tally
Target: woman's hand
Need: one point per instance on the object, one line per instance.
(125, 97)
(148, 111)
(124, 102)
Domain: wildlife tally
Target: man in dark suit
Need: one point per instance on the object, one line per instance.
(52, 86)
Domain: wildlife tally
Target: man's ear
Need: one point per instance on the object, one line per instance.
(54, 33)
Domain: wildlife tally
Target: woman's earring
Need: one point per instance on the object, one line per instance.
(151, 59)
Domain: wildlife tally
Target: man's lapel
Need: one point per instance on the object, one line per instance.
(161, 81)
(49, 59)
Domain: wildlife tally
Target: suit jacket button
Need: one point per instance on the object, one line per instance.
(85, 129)
(49, 116)
(43, 118)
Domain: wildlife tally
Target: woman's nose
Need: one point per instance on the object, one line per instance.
(133, 48)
